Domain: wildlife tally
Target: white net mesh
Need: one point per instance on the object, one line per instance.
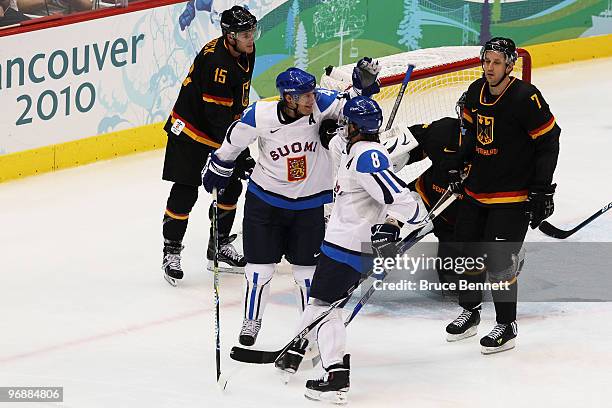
(440, 76)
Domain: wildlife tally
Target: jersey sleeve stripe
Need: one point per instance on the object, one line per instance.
(397, 179)
(466, 115)
(388, 180)
(542, 130)
(420, 188)
(217, 100)
(386, 193)
(193, 133)
(229, 131)
(500, 197)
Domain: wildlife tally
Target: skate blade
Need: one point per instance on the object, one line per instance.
(510, 344)
(225, 268)
(170, 280)
(335, 397)
(472, 331)
(285, 376)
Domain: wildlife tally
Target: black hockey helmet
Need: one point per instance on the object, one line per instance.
(237, 19)
(500, 44)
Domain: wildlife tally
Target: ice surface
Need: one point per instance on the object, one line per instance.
(83, 304)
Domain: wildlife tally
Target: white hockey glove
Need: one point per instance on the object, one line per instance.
(399, 142)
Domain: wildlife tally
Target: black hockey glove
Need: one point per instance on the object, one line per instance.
(244, 165)
(383, 238)
(455, 181)
(327, 131)
(540, 204)
(451, 164)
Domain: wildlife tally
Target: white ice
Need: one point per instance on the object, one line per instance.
(83, 304)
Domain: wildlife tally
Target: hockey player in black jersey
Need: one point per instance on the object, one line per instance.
(212, 96)
(512, 145)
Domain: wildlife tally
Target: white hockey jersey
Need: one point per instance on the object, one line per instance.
(367, 191)
(293, 170)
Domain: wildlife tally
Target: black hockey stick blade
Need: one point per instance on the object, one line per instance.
(552, 231)
(253, 356)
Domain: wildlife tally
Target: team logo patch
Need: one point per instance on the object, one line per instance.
(484, 129)
(178, 127)
(296, 168)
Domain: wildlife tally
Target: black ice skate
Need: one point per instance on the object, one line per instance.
(500, 339)
(464, 326)
(171, 263)
(334, 384)
(249, 331)
(229, 259)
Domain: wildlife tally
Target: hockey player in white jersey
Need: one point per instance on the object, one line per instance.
(290, 183)
(372, 204)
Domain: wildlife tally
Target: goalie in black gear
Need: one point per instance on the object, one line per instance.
(212, 96)
(439, 141)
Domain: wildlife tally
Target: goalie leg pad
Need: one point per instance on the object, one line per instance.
(258, 277)
(398, 141)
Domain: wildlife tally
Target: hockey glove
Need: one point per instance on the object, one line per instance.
(244, 165)
(364, 77)
(327, 131)
(540, 204)
(455, 181)
(216, 173)
(383, 238)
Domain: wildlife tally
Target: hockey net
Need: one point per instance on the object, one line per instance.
(440, 76)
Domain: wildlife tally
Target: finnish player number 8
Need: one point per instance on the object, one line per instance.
(375, 160)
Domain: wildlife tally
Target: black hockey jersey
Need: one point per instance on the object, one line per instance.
(512, 142)
(438, 140)
(213, 95)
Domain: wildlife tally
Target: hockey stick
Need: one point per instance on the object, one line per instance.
(415, 236)
(215, 232)
(552, 231)
(399, 97)
(265, 357)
